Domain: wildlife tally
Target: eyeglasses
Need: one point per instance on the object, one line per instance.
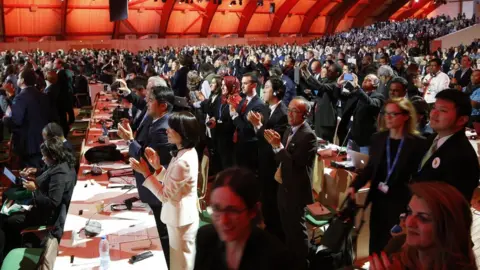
(392, 114)
(231, 212)
(293, 110)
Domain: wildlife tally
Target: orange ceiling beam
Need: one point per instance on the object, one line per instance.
(166, 12)
(246, 16)
(431, 7)
(338, 14)
(412, 10)
(390, 10)
(207, 20)
(280, 16)
(366, 12)
(311, 15)
(2, 34)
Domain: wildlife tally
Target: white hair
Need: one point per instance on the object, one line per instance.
(156, 81)
(385, 70)
(374, 79)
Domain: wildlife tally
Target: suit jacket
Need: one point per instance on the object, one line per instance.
(465, 79)
(262, 252)
(152, 135)
(410, 157)
(31, 112)
(297, 166)
(277, 121)
(178, 189)
(246, 132)
(364, 108)
(65, 100)
(53, 92)
(81, 84)
(179, 82)
(327, 97)
(290, 91)
(55, 188)
(458, 164)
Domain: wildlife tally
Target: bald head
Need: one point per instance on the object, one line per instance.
(297, 111)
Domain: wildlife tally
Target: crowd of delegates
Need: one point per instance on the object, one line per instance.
(262, 108)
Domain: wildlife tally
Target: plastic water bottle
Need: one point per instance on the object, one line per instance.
(104, 250)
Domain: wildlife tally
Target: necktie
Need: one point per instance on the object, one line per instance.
(290, 136)
(430, 152)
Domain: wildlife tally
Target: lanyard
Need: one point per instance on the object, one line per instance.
(391, 167)
(220, 111)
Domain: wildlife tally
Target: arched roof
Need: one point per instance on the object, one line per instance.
(89, 19)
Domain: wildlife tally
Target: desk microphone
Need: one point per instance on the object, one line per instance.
(92, 227)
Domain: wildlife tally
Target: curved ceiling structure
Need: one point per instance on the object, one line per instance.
(89, 19)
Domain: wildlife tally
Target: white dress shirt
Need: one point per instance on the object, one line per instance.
(436, 84)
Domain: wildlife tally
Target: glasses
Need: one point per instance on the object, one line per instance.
(293, 110)
(231, 212)
(392, 114)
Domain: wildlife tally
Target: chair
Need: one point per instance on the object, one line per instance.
(333, 192)
(32, 258)
(203, 212)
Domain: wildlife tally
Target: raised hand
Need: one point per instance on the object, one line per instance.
(140, 166)
(153, 158)
(273, 138)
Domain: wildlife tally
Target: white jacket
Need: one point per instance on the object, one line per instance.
(176, 188)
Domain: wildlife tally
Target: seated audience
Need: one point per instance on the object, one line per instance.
(51, 195)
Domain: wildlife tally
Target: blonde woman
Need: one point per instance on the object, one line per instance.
(395, 155)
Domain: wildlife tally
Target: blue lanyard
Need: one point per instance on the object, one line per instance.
(391, 167)
(220, 111)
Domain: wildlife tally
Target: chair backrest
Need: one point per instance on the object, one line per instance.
(49, 255)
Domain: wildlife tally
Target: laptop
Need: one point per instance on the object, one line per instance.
(359, 160)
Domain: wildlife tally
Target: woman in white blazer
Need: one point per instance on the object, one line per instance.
(176, 188)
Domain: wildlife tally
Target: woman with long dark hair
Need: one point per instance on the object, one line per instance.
(51, 194)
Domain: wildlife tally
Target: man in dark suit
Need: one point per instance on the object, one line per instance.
(296, 152)
(327, 94)
(245, 138)
(152, 132)
(463, 75)
(65, 97)
(310, 57)
(179, 79)
(276, 119)
(363, 105)
(53, 91)
(450, 157)
(31, 111)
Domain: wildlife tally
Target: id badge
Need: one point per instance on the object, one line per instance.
(383, 187)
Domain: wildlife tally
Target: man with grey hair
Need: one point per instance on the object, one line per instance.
(360, 113)
(385, 74)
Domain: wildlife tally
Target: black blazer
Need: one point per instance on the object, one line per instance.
(246, 132)
(297, 166)
(179, 82)
(364, 108)
(152, 135)
(55, 188)
(262, 252)
(278, 121)
(80, 84)
(465, 79)
(31, 112)
(327, 97)
(458, 164)
(407, 165)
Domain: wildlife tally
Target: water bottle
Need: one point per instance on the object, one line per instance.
(104, 250)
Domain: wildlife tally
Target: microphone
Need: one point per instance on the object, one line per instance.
(93, 228)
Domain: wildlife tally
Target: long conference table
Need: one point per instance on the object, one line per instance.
(129, 232)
